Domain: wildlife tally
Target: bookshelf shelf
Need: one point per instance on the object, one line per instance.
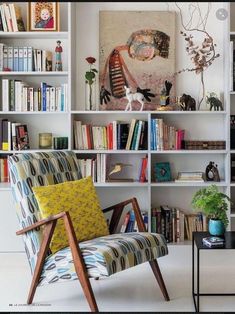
(26, 151)
(121, 184)
(149, 112)
(34, 35)
(34, 73)
(105, 151)
(182, 151)
(32, 112)
(189, 184)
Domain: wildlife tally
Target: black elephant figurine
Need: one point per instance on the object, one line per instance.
(215, 103)
(187, 103)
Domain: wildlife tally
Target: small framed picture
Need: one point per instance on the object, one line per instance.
(162, 172)
(43, 16)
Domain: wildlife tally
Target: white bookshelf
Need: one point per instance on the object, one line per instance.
(78, 43)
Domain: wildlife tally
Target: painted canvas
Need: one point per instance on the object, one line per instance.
(137, 60)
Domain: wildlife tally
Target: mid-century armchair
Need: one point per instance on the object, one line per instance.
(82, 260)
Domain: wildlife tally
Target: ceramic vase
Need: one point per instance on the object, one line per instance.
(216, 227)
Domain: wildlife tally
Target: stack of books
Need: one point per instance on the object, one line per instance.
(213, 241)
(165, 137)
(116, 135)
(18, 96)
(4, 174)
(25, 59)
(190, 176)
(13, 135)
(10, 18)
(201, 145)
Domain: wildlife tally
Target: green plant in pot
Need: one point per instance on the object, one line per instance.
(214, 205)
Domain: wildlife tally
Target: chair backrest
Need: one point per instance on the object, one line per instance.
(37, 169)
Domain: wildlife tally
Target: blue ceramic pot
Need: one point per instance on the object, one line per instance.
(216, 227)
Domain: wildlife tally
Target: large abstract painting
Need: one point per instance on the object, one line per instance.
(137, 51)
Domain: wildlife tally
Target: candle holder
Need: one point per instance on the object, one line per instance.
(45, 140)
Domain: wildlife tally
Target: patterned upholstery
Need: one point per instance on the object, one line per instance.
(28, 170)
(105, 256)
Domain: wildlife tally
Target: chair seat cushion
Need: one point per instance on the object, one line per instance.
(105, 256)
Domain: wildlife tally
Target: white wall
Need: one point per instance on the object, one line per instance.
(187, 82)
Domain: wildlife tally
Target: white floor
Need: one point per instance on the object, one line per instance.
(133, 290)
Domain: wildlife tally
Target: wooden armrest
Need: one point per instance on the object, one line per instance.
(117, 212)
(41, 222)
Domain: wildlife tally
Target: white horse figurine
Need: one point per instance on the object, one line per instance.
(131, 97)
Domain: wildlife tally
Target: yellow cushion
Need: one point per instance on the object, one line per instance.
(79, 198)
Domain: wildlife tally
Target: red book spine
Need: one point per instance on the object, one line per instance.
(108, 136)
(181, 137)
(88, 134)
(111, 135)
(143, 170)
(5, 171)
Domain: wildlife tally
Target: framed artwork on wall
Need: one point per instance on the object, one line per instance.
(43, 16)
(137, 51)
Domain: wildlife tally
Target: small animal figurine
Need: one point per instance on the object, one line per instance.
(187, 103)
(132, 97)
(214, 102)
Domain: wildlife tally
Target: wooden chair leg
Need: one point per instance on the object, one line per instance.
(158, 276)
(80, 265)
(47, 235)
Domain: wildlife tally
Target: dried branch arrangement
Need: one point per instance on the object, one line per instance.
(201, 54)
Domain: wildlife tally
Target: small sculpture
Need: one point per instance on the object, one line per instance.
(58, 51)
(214, 102)
(132, 97)
(212, 172)
(165, 94)
(117, 168)
(187, 103)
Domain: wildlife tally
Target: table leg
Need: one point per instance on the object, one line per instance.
(198, 279)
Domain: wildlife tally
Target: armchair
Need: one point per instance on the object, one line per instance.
(95, 258)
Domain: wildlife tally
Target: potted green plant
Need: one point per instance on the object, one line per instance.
(214, 205)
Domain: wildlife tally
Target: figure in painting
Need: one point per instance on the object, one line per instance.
(143, 45)
(46, 19)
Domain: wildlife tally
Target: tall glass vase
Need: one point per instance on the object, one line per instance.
(90, 96)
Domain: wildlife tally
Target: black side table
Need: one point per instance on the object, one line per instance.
(197, 240)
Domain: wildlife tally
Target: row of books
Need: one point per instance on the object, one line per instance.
(13, 135)
(99, 167)
(94, 167)
(130, 224)
(4, 174)
(175, 224)
(117, 135)
(11, 18)
(25, 59)
(165, 137)
(18, 96)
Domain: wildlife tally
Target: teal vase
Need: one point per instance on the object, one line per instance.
(216, 227)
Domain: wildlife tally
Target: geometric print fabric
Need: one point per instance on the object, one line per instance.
(105, 256)
(28, 170)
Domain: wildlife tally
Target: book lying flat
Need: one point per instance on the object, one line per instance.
(213, 241)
